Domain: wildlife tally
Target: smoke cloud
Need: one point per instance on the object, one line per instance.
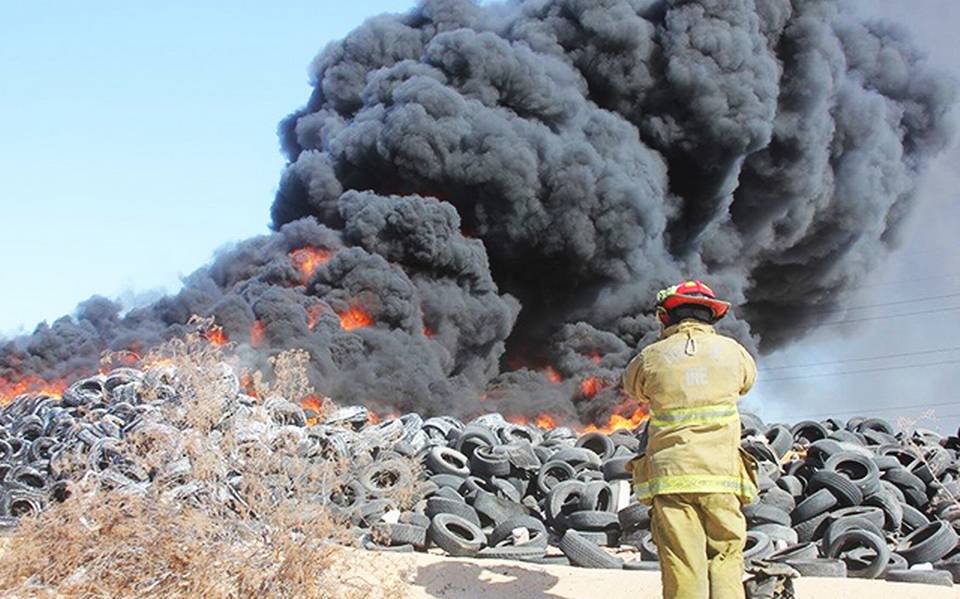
(493, 195)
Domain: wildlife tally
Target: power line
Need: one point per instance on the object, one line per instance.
(861, 371)
(910, 280)
(883, 305)
(955, 403)
(855, 320)
(869, 359)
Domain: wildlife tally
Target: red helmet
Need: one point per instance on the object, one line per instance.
(687, 293)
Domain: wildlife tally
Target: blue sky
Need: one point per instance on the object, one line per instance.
(136, 138)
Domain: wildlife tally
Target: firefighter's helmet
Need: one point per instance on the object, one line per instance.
(690, 293)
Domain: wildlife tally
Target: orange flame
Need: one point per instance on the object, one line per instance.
(257, 332)
(373, 418)
(11, 389)
(307, 260)
(427, 331)
(355, 318)
(216, 336)
(590, 386)
(314, 404)
(552, 375)
(248, 384)
(546, 422)
(618, 422)
(595, 357)
(314, 313)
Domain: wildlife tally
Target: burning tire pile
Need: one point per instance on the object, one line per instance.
(851, 499)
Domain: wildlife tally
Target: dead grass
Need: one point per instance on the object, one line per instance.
(236, 507)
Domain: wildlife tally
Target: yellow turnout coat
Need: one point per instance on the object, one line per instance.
(692, 379)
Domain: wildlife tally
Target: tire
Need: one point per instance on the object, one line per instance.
(487, 462)
(780, 439)
(564, 499)
(791, 484)
(845, 491)
(876, 424)
(904, 479)
(820, 568)
(862, 471)
(814, 505)
(838, 527)
(615, 468)
(598, 443)
(760, 513)
(577, 457)
(634, 517)
(455, 535)
(934, 577)
(442, 505)
(812, 529)
(403, 534)
(780, 533)
(597, 496)
(854, 538)
(929, 543)
(553, 473)
(952, 567)
(421, 520)
(602, 538)
(548, 560)
(443, 460)
(585, 520)
(637, 565)
(513, 552)
(758, 546)
(780, 499)
(585, 554)
(891, 508)
(808, 431)
(913, 519)
(873, 515)
(494, 509)
(504, 531)
(799, 551)
(648, 548)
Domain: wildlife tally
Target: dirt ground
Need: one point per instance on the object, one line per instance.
(435, 576)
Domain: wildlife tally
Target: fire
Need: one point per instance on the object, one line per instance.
(546, 422)
(618, 422)
(307, 260)
(257, 332)
(249, 384)
(11, 389)
(427, 331)
(355, 318)
(590, 386)
(314, 313)
(313, 404)
(216, 336)
(552, 375)
(373, 418)
(595, 357)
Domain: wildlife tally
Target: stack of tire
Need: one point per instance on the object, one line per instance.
(500, 490)
(855, 499)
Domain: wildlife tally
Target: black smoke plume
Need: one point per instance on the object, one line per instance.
(502, 189)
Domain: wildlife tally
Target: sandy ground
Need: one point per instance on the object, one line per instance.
(436, 576)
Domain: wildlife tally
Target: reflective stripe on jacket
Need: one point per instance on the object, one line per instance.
(692, 379)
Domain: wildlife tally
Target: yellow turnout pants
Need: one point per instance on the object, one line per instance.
(700, 539)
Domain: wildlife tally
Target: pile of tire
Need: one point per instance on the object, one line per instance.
(493, 489)
(855, 499)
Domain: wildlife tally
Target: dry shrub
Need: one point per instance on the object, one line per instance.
(102, 544)
(236, 507)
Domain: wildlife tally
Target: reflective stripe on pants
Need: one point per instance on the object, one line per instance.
(700, 540)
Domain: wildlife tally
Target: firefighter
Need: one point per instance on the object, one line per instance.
(694, 473)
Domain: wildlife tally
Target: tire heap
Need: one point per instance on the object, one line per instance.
(836, 499)
(855, 499)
